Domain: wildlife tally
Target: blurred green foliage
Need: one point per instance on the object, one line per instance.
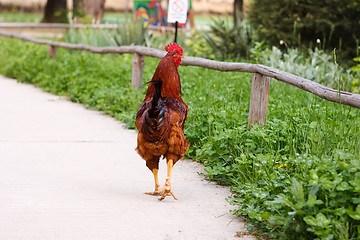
(300, 23)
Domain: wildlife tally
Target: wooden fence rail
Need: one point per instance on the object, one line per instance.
(260, 80)
(65, 26)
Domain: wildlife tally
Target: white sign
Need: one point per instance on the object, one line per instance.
(177, 11)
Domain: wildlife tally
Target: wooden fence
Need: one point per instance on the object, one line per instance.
(64, 26)
(260, 80)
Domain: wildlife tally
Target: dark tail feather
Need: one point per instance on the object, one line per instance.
(156, 96)
(155, 118)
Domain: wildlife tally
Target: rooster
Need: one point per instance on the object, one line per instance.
(161, 118)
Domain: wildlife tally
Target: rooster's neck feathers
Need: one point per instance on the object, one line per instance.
(168, 73)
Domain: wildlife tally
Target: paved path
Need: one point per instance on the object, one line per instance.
(71, 173)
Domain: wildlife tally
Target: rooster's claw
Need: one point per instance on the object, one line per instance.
(166, 190)
(156, 193)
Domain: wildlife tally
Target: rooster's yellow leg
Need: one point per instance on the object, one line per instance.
(170, 165)
(166, 189)
(157, 185)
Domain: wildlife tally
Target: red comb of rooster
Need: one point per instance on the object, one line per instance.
(174, 46)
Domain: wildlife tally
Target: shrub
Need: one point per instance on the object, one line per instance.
(229, 41)
(300, 23)
(197, 46)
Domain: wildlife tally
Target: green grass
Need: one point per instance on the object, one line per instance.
(316, 194)
(20, 17)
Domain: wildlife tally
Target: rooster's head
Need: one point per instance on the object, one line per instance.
(177, 52)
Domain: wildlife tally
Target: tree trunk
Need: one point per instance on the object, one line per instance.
(238, 10)
(55, 11)
(93, 8)
(96, 9)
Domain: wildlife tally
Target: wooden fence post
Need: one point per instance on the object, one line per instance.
(52, 51)
(258, 99)
(137, 70)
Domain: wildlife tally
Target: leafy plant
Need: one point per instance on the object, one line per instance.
(321, 202)
(127, 33)
(90, 36)
(229, 41)
(197, 46)
(130, 32)
(316, 65)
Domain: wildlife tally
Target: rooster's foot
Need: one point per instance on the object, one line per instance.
(156, 192)
(166, 191)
